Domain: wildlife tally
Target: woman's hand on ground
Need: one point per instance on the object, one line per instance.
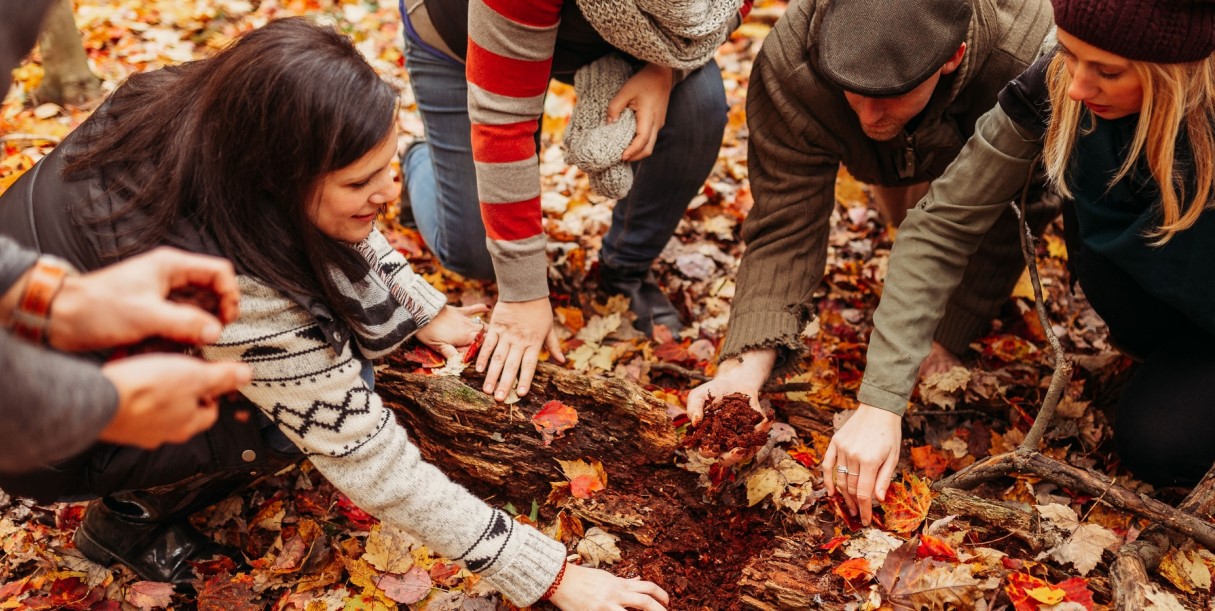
(516, 333)
(647, 93)
(745, 374)
(587, 589)
(453, 328)
(868, 446)
(127, 302)
(167, 398)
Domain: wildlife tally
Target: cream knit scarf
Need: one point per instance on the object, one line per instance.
(680, 34)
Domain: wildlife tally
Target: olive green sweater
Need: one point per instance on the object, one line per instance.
(802, 130)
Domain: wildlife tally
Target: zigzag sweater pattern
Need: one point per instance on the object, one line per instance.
(319, 400)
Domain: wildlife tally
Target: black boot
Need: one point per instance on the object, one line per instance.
(149, 531)
(646, 299)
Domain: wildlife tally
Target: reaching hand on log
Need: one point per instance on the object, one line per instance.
(861, 459)
(453, 329)
(587, 589)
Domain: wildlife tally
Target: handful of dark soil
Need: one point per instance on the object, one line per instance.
(729, 424)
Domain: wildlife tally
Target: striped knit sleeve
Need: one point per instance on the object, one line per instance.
(318, 400)
(510, 54)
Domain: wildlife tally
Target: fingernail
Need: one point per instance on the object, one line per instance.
(487, 388)
(501, 396)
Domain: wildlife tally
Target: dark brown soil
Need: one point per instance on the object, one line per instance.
(729, 423)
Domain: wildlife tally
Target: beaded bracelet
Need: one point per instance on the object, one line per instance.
(32, 316)
(556, 583)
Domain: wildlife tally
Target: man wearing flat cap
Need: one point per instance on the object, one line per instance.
(891, 90)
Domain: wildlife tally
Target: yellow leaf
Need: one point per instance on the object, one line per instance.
(1047, 595)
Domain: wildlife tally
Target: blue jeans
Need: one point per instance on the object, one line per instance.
(441, 177)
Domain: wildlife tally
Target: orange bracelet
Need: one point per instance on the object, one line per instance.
(33, 313)
(556, 583)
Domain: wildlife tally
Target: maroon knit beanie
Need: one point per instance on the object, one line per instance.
(1158, 31)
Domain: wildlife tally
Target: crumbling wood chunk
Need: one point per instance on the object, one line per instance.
(476, 439)
(790, 576)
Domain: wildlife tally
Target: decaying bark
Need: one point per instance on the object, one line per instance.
(67, 78)
(463, 429)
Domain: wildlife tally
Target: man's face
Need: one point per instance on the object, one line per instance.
(884, 118)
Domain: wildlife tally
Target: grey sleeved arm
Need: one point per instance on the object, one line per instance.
(14, 261)
(53, 405)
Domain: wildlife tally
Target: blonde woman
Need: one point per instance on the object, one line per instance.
(1121, 114)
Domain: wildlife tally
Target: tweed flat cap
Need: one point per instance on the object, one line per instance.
(883, 48)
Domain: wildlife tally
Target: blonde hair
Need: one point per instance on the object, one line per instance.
(1175, 96)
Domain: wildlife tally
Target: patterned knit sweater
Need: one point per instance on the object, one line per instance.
(509, 60)
(318, 399)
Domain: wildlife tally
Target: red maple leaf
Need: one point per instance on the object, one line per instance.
(906, 507)
(554, 419)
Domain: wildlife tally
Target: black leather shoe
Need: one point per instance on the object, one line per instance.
(646, 298)
(127, 528)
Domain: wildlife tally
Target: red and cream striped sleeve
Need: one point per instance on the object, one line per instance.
(510, 53)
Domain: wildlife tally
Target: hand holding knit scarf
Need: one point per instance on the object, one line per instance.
(680, 34)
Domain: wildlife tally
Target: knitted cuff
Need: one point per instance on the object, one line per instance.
(764, 329)
(523, 278)
(537, 560)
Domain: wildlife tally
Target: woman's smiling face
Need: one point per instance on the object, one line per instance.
(1106, 83)
(350, 198)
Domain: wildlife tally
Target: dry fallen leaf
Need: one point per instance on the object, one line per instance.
(906, 506)
(554, 419)
(598, 547)
(586, 478)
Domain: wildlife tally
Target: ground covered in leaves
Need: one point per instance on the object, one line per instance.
(308, 547)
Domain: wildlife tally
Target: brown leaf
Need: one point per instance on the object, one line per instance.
(929, 584)
(406, 589)
(150, 594)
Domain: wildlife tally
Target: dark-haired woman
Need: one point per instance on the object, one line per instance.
(274, 154)
(1123, 116)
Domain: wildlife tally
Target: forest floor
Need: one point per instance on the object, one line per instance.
(307, 547)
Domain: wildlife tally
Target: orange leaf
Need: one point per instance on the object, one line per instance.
(554, 419)
(806, 455)
(1028, 593)
(584, 486)
(906, 506)
(425, 356)
(833, 544)
(932, 547)
(672, 352)
(586, 478)
(930, 460)
(570, 317)
(854, 569)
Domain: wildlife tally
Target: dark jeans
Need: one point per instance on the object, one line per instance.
(441, 177)
(1165, 419)
(243, 441)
